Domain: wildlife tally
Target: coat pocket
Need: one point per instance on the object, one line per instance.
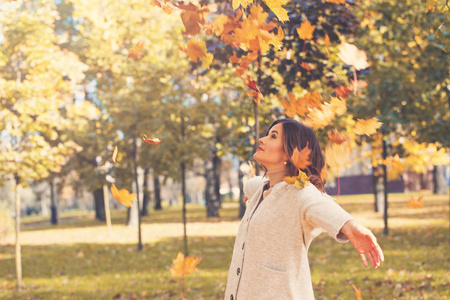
(267, 284)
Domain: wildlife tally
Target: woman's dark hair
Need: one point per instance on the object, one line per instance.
(297, 135)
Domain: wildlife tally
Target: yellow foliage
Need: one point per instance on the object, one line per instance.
(183, 266)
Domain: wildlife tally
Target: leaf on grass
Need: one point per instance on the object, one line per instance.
(114, 155)
(183, 266)
(351, 55)
(152, 141)
(305, 31)
(367, 127)
(301, 158)
(357, 292)
(123, 196)
(135, 52)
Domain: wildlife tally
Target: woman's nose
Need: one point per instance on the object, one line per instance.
(261, 141)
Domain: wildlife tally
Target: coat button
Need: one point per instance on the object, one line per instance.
(238, 271)
(231, 297)
(243, 244)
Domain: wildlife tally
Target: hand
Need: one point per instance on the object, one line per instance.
(364, 242)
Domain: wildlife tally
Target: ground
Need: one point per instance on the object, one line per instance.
(82, 259)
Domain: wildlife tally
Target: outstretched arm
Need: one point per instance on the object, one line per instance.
(364, 242)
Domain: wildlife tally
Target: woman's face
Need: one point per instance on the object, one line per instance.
(270, 152)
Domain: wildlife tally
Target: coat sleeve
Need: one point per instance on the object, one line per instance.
(252, 185)
(319, 210)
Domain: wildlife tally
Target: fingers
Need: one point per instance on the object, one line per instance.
(364, 260)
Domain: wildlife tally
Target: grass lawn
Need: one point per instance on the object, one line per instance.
(82, 260)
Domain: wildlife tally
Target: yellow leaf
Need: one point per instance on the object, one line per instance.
(351, 55)
(243, 3)
(413, 203)
(367, 127)
(278, 10)
(301, 158)
(135, 51)
(123, 196)
(306, 30)
(197, 51)
(183, 266)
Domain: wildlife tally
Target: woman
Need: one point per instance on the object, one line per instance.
(270, 253)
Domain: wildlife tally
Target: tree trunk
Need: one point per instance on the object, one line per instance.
(183, 191)
(18, 248)
(217, 162)
(212, 202)
(106, 201)
(99, 202)
(386, 228)
(241, 192)
(255, 146)
(135, 158)
(146, 193)
(157, 192)
(53, 204)
(439, 183)
(378, 186)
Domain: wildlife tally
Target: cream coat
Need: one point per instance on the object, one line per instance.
(270, 252)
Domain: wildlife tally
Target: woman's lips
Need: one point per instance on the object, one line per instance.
(259, 149)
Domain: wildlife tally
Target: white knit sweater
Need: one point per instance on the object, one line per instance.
(270, 258)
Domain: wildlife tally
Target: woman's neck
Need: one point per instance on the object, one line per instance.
(276, 175)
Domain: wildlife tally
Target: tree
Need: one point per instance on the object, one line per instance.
(36, 87)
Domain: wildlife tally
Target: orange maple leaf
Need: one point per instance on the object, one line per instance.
(197, 51)
(135, 52)
(193, 17)
(245, 199)
(152, 141)
(305, 31)
(337, 137)
(305, 66)
(301, 158)
(367, 127)
(342, 91)
(123, 196)
(415, 203)
(183, 266)
(256, 93)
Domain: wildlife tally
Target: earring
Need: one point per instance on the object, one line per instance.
(285, 163)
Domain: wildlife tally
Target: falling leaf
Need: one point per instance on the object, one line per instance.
(337, 137)
(298, 181)
(351, 55)
(243, 3)
(306, 30)
(357, 292)
(367, 127)
(197, 51)
(415, 203)
(305, 66)
(152, 141)
(256, 93)
(323, 174)
(123, 196)
(183, 266)
(301, 158)
(193, 17)
(114, 155)
(135, 52)
(430, 8)
(394, 162)
(327, 43)
(245, 199)
(218, 25)
(278, 10)
(343, 91)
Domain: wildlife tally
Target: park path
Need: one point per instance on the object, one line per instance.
(123, 234)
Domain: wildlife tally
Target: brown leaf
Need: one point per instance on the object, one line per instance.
(357, 292)
(301, 158)
(152, 141)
